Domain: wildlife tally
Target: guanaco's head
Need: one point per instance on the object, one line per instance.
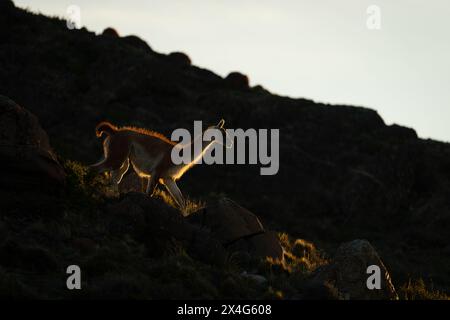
(221, 126)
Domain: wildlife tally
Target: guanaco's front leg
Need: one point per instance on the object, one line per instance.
(144, 183)
(174, 191)
(151, 185)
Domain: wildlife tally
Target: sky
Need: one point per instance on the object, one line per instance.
(394, 57)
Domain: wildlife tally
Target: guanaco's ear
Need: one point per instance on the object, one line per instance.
(221, 123)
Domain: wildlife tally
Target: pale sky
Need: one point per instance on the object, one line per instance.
(317, 49)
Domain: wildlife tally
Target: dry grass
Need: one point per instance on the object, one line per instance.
(417, 290)
(299, 256)
(191, 204)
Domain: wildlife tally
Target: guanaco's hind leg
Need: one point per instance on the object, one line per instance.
(116, 150)
(174, 191)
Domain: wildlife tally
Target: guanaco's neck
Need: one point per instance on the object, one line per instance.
(197, 148)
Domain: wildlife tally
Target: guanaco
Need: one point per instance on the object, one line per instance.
(149, 154)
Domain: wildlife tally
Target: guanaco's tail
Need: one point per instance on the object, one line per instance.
(105, 127)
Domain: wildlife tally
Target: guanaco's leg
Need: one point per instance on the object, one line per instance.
(174, 191)
(151, 185)
(116, 152)
(117, 175)
(144, 183)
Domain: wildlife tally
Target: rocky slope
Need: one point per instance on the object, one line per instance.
(130, 245)
(343, 175)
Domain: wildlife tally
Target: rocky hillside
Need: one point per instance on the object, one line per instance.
(343, 174)
(130, 245)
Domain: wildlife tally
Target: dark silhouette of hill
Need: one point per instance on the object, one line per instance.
(344, 174)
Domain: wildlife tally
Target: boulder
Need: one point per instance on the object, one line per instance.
(110, 32)
(348, 273)
(179, 59)
(237, 229)
(137, 43)
(211, 234)
(160, 227)
(227, 221)
(6, 5)
(260, 245)
(400, 132)
(27, 161)
(255, 277)
(237, 81)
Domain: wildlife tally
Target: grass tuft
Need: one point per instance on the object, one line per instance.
(418, 290)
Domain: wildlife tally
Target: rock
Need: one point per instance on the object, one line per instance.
(110, 32)
(137, 43)
(6, 5)
(259, 246)
(238, 229)
(237, 81)
(20, 127)
(255, 277)
(227, 221)
(400, 132)
(26, 158)
(157, 225)
(210, 234)
(179, 59)
(265, 245)
(348, 272)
